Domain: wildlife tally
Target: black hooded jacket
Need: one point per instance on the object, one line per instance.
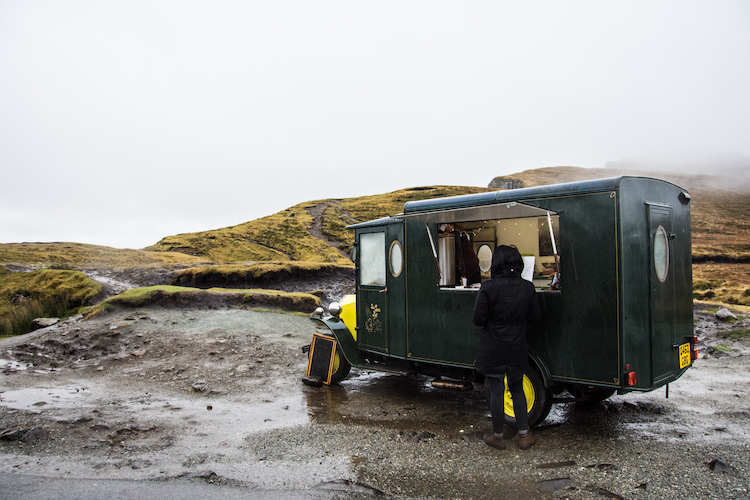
(503, 307)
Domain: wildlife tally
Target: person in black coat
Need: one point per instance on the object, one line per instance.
(504, 306)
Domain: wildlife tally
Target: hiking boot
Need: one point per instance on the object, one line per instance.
(526, 441)
(494, 441)
(509, 432)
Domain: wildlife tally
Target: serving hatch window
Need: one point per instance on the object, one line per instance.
(465, 250)
(468, 237)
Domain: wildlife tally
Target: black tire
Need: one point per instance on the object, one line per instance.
(341, 367)
(595, 395)
(600, 395)
(538, 399)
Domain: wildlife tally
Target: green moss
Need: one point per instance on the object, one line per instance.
(45, 293)
(169, 295)
(739, 334)
(723, 348)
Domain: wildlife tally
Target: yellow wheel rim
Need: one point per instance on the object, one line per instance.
(336, 362)
(528, 390)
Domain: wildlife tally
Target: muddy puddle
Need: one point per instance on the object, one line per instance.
(399, 403)
(35, 399)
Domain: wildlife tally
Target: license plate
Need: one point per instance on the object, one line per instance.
(685, 355)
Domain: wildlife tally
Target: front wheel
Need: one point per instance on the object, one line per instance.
(341, 367)
(538, 399)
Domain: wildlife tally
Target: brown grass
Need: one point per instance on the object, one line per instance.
(82, 256)
(725, 283)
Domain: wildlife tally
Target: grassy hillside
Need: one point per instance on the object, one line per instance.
(82, 256)
(313, 231)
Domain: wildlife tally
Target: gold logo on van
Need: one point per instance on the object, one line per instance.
(373, 324)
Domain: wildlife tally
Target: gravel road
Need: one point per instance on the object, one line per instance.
(214, 397)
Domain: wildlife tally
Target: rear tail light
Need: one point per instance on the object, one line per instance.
(630, 378)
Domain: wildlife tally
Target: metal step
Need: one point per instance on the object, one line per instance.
(456, 385)
(372, 367)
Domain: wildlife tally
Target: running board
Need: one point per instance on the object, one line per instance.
(456, 385)
(385, 369)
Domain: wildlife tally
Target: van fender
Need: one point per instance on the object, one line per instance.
(536, 362)
(344, 339)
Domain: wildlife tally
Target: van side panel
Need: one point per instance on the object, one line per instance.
(579, 335)
(439, 327)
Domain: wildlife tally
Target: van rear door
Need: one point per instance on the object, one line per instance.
(664, 358)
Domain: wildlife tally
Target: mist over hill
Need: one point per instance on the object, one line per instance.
(731, 165)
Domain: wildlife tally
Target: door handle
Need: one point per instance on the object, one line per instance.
(384, 290)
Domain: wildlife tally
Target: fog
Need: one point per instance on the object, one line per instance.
(124, 122)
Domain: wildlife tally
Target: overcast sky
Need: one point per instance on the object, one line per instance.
(122, 122)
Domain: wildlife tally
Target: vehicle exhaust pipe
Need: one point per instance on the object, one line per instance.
(456, 385)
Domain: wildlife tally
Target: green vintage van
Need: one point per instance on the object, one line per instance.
(611, 261)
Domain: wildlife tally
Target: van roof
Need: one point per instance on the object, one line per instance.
(501, 204)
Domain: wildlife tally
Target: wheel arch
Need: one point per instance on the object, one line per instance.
(344, 339)
(536, 362)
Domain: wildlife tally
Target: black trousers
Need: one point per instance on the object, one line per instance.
(496, 383)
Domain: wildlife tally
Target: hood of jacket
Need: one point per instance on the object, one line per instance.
(506, 262)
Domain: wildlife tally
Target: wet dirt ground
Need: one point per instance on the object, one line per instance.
(215, 396)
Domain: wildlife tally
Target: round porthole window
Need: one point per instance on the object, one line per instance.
(661, 253)
(485, 258)
(396, 258)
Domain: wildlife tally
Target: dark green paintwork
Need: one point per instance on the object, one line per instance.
(611, 313)
(345, 340)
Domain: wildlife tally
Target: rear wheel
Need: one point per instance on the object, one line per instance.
(538, 399)
(592, 395)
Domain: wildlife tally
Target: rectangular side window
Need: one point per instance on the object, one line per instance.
(372, 259)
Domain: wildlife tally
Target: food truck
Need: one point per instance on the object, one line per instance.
(611, 262)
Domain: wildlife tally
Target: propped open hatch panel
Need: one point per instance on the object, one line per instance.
(495, 211)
